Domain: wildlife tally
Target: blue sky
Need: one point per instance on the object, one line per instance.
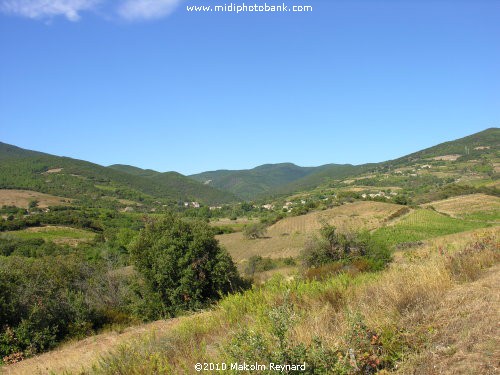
(147, 83)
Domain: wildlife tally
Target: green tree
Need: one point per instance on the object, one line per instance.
(254, 231)
(183, 266)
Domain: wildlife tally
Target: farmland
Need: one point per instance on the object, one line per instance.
(56, 234)
(22, 198)
(473, 207)
(422, 224)
(287, 237)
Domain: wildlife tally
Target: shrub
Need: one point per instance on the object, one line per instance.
(182, 264)
(332, 246)
(254, 231)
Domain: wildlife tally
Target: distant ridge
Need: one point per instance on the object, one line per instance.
(287, 178)
(31, 170)
(24, 169)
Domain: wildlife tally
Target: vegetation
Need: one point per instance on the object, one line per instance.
(24, 169)
(345, 324)
(255, 230)
(46, 299)
(422, 224)
(113, 246)
(333, 246)
(183, 267)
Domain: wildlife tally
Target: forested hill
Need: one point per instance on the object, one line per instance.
(286, 178)
(67, 177)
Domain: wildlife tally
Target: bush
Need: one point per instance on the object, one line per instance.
(43, 300)
(183, 266)
(254, 231)
(332, 246)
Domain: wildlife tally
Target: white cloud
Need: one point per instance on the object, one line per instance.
(130, 10)
(136, 10)
(43, 9)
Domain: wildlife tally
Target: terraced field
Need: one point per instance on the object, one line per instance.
(422, 224)
(287, 237)
(472, 207)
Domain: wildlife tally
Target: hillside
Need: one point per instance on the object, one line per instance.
(180, 183)
(482, 144)
(478, 152)
(71, 178)
(252, 183)
(434, 312)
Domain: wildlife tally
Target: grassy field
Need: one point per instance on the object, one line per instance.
(472, 207)
(56, 234)
(22, 198)
(409, 318)
(287, 237)
(422, 224)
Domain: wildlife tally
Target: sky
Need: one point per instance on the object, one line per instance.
(150, 84)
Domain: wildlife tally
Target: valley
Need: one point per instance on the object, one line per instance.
(349, 268)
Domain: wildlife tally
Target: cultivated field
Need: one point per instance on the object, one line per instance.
(22, 198)
(56, 234)
(422, 224)
(287, 237)
(471, 206)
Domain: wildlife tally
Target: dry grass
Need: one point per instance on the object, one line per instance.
(430, 319)
(76, 357)
(287, 237)
(467, 204)
(22, 198)
(464, 333)
(451, 157)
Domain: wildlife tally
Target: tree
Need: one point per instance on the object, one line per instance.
(183, 266)
(254, 231)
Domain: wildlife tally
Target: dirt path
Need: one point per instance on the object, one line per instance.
(78, 356)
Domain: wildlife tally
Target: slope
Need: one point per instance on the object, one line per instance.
(72, 178)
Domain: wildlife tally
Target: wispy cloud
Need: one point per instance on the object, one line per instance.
(43, 9)
(130, 10)
(136, 10)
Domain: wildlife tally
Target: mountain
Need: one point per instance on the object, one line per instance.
(482, 144)
(251, 183)
(26, 169)
(287, 178)
(178, 182)
(72, 178)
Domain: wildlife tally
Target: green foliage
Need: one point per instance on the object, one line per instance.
(34, 247)
(24, 169)
(183, 266)
(423, 224)
(333, 252)
(43, 300)
(277, 346)
(255, 230)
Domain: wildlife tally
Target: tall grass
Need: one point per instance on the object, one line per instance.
(345, 324)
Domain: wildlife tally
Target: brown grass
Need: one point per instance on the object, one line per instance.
(438, 323)
(452, 157)
(76, 357)
(464, 334)
(22, 198)
(287, 237)
(467, 204)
